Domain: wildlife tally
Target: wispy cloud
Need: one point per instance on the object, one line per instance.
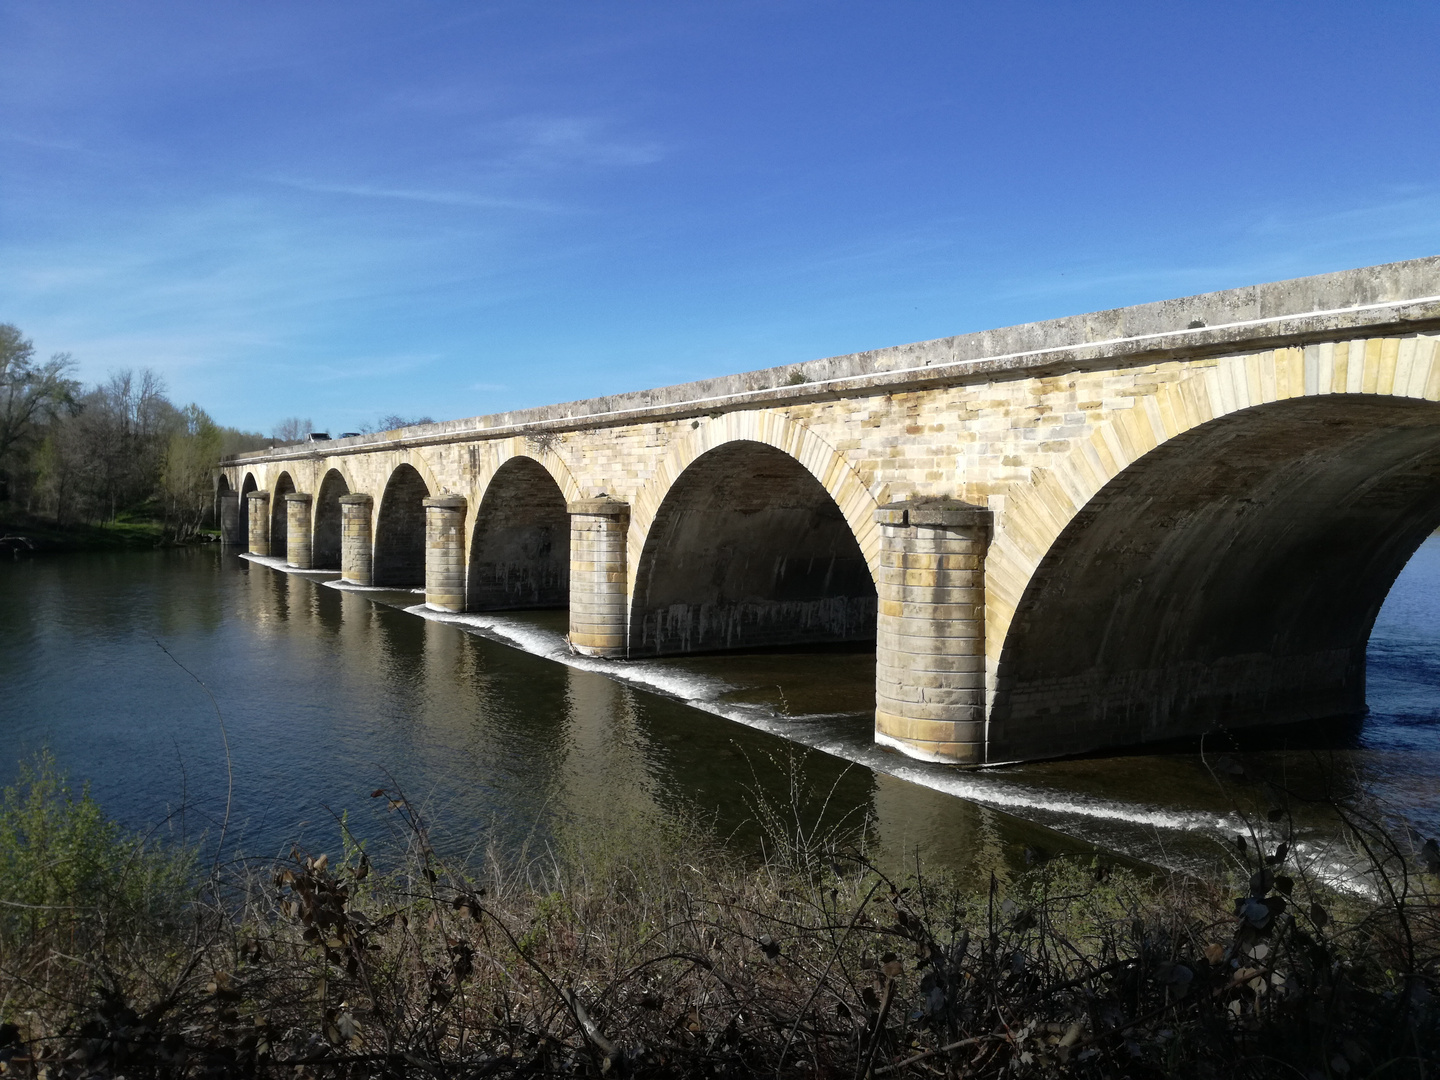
(64, 145)
(1404, 213)
(438, 198)
(366, 367)
(552, 141)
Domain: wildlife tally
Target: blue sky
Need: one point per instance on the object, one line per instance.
(343, 210)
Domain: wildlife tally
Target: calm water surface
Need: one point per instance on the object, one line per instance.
(492, 726)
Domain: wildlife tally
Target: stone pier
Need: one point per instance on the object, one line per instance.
(1116, 528)
(228, 512)
(445, 552)
(930, 635)
(598, 578)
(259, 513)
(297, 530)
(356, 549)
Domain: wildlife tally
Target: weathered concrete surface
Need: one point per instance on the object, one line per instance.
(1173, 488)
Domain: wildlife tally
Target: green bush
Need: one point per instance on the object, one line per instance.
(61, 860)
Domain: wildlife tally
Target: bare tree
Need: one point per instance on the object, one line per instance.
(394, 420)
(292, 430)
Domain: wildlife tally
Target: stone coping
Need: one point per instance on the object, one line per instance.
(943, 513)
(1401, 297)
(603, 506)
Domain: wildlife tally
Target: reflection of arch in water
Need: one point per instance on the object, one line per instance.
(247, 485)
(279, 516)
(400, 530)
(520, 548)
(325, 547)
(746, 550)
(1226, 576)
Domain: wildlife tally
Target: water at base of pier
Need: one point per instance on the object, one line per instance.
(327, 694)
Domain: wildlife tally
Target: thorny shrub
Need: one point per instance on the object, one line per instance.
(676, 958)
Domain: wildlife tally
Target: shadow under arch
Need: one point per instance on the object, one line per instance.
(1228, 577)
(247, 485)
(222, 488)
(400, 530)
(280, 516)
(325, 544)
(520, 548)
(748, 550)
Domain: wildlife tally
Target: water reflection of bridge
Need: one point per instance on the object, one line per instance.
(1104, 529)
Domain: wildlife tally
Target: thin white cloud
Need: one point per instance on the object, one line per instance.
(438, 198)
(567, 140)
(1410, 212)
(64, 145)
(374, 367)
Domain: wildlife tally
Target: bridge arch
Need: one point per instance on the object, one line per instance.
(279, 516)
(399, 560)
(325, 543)
(247, 485)
(827, 465)
(520, 543)
(748, 549)
(487, 462)
(1217, 554)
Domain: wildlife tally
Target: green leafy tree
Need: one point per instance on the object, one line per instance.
(31, 395)
(190, 458)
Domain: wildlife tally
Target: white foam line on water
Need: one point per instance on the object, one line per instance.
(702, 693)
(1075, 816)
(277, 563)
(350, 586)
(692, 689)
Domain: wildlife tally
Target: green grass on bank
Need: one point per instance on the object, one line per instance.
(25, 534)
(650, 950)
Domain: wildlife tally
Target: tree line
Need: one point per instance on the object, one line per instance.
(74, 453)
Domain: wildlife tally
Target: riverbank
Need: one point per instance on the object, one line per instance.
(653, 951)
(25, 534)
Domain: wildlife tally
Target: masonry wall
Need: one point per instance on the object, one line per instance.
(1035, 445)
(749, 551)
(520, 546)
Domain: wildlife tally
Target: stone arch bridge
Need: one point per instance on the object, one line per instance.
(1109, 529)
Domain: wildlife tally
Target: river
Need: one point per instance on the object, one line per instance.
(506, 740)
